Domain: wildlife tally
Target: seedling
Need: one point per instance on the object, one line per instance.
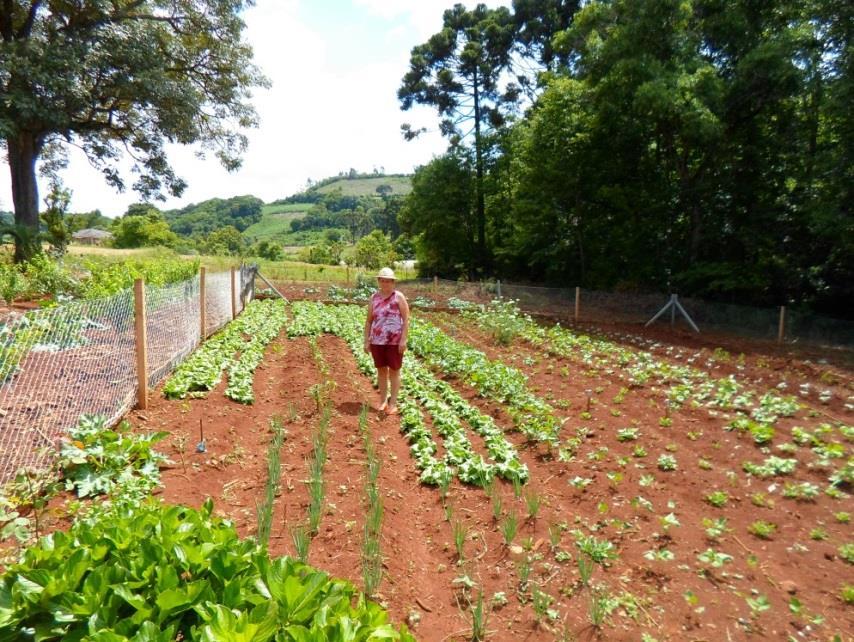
(509, 527)
(660, 555)
(715, 528)
(762, 530)
(460, 533)
(718, 499)
(667, 462)
(628, 434)
(532, 501)
(714, 558)
(668, 521)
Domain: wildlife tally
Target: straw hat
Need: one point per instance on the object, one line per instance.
(386, 273)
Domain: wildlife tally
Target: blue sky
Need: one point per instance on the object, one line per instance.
(335, 67)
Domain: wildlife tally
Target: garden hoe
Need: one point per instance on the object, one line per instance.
(201, 446)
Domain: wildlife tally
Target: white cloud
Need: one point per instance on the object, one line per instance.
(322, 115)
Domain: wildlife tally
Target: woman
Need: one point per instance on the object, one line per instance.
(386, 328)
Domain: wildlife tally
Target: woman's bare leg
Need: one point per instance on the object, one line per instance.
(382, 384)
(394, 378)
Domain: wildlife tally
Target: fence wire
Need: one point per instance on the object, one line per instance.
(218, 301)
(638, 308)
(58, 364)
(80, 358)
(173, 326)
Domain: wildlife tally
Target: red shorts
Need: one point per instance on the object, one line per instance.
(387, 356)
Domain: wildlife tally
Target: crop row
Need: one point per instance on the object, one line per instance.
(492, 379)
(419, 387)
(684, 383)
(246, 336)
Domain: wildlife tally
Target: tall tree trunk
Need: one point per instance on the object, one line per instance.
(24, 149)
(481, 202)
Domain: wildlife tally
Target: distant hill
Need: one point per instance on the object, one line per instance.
(275, 221)
(337, 194)
(400, 185)
(207, 216)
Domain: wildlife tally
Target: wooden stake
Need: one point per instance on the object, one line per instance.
(577, 301)
(781, 330)
(233, 296)
(202, 311)
(435, 284)
(141, 344)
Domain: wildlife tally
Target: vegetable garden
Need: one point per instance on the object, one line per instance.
(538, 483)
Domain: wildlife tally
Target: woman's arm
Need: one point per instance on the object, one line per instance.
(368, 319)
(404, 314)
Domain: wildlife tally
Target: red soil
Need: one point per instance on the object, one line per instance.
(420, 559)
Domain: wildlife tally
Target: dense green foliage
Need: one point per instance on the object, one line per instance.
(115, 76)
(203, 218)
(699, 145)
(159, 573)
(41, 277)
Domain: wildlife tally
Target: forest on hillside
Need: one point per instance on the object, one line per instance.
(700, 146)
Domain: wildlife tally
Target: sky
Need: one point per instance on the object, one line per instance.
(335, 67)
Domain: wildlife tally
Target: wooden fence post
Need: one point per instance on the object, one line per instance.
(781, 329)
(233, 296)
(577, 301)
(435, 283)
(202, 307)
(141, 344)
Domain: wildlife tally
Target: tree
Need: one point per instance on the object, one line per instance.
(459, 71)
(58, 234)
(375, 250)
(438, 214)
(268, 250)
(121, 75)
(143, 226)
(226, 241)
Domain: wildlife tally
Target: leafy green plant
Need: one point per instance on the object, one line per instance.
(718, 498)
(628, 434)
(600, 551)
(802, 492)
(715, 528)
(96, 459)
(152, 571)
(667, 462)
(762, 529)
(846, 552)
(714, 558)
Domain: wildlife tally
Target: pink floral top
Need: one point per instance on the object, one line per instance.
(387, 322)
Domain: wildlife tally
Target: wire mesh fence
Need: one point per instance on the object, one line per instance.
(607, 307)
(80, 358)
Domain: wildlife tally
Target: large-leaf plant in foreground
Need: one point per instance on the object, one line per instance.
(154, 573)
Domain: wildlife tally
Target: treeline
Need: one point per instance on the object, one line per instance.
(697, 145)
